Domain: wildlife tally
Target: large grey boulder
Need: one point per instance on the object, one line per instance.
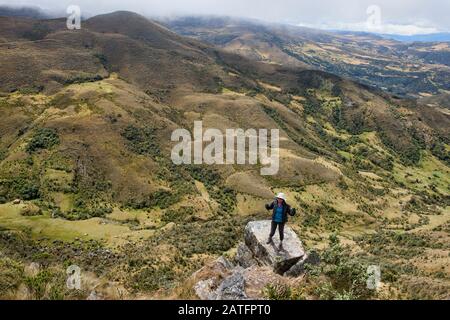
(256, 235)
(244, 256)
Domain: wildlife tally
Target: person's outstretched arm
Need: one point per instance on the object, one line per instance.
(270, 206)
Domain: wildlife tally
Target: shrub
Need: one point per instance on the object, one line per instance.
(342, 184)
(347, 275)
(43, 138)
(11, 276)
(30, 210)
(336, 91)
(38, 284)
(154, 278)
(326, 291)
(25, 188)
(162, 199)
(142, 140)
(3, 154)
(312, 106)
(278, 291)
(410, 154)
(225, 197)
(438, 149)
(102, 58)
(30, 192)
(178, 215)
(214, 237)
(38, 32)
(83, 213)
(82, 78)
(311, 219)
(205, 175)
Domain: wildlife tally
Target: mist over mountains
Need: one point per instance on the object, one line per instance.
(38, 13)
(23, 12)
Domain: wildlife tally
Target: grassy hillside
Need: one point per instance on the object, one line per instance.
(85, 144)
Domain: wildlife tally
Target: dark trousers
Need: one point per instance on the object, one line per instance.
(280, 229)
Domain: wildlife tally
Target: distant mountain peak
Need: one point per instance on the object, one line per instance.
(432, 37)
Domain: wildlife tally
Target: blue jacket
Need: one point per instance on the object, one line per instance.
(287, 210)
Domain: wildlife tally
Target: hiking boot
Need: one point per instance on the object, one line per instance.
(270, 241)
(280, 247)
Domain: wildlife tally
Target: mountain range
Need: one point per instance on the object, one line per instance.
(405, 69)
(432, 37)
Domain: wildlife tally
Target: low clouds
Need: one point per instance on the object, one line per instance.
(400, 16)
(387, 28)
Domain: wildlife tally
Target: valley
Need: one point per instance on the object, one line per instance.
(407, 69)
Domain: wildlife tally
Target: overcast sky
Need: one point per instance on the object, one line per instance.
(396, 16)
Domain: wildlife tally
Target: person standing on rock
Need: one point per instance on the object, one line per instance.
(280, 211)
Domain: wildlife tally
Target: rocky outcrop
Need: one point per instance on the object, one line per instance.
(233, 287)
(205, 289)
(214, 282)
(244, 256)
(256, 235)
(227, 283)
(255, 265)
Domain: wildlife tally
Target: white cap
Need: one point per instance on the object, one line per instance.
(281, 196)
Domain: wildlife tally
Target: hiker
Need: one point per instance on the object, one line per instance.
(281, 210)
